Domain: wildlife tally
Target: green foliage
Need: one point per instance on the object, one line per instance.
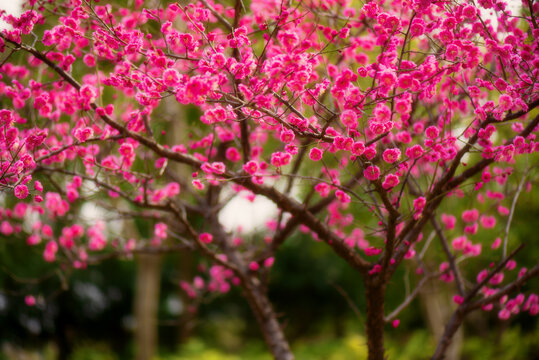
(513, 344)
(93, 351)
(419, 345)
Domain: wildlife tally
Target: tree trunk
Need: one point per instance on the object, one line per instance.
(187, 319)
(438, 308)
(267, 320)
(146, 305)
(375, 321)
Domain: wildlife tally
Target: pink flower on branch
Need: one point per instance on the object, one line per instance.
(422, 113)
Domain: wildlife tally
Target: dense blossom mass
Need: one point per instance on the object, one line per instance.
(417, 117)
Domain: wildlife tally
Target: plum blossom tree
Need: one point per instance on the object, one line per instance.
(419, 116)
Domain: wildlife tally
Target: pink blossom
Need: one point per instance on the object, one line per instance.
(472, 249)
(198, 282)
(375, 269)
(88, 93)
(382, 113)
(459, 243)
(358, 148)
(55, 204)
(446, 275)
(161, 230)
(488, 222)
(205, 238)
(287, 136)
(349, 119)
(214, 168)
(315, 154)
(391, 155)
(89, 60)
(405, 81)
(215, 115)
(188, 289)
(419, 205)
(253, 266)
(291, 149)
(344, 33)
(390, 181)
(496, 279)
(506, 102)
(372, 173)
(232, 154)
(269, 262)
(502, 210)
(83, 134)
(126, 150)
(198, 184)
(21, 191)
(471, 229)
(470, 216)
(388, 78)
(342, 196)
(370, 152)
(449, 221)
(38, 186)
(33, 239)
(322, 189)
(6, 117)
(171, 77)
(451, 52)
(482, 275)
(343, 143)
(372, 251)
(511, 264)
(279, 159)
(50, 251)
(414, 152)
(96, 237)
(432, 132)
(250, 167)
(29, 300)
(469, 12)
(504, 314)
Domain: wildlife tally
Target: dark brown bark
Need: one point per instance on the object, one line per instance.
(438, 308)
(450, 330)
(458, 315)
(375, 321)
(254, 290)
(267, 320)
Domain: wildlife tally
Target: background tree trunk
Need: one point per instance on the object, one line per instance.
(147, 305)
(438, 307)
(187, 318)
(375, 321)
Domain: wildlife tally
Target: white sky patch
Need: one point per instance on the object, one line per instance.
(513, 6)
(91, 213)
(29, 220)
(241, 214)
(12, 7)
